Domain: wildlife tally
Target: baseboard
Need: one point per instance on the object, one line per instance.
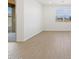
(20, 40)
(32, 36)
(38, 33)
(55, 30)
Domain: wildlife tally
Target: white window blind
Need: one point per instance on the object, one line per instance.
(63, 14)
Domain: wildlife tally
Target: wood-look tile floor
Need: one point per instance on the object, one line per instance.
(46, 45)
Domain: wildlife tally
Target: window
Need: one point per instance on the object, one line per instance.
(9, 19)
(63, 14)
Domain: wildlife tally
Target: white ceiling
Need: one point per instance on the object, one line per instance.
(48, 2)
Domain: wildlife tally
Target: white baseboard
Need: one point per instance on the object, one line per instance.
(27, 38)
(32, 36)
(55, 30)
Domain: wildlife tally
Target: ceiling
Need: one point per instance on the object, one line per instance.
(49, 2)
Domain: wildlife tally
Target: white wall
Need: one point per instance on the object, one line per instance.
(50, 23)
(19, 20)
(32, 18)
(28, 19)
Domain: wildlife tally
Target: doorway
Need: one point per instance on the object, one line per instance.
(11, 23)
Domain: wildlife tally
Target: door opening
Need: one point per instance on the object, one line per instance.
(11, 23)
